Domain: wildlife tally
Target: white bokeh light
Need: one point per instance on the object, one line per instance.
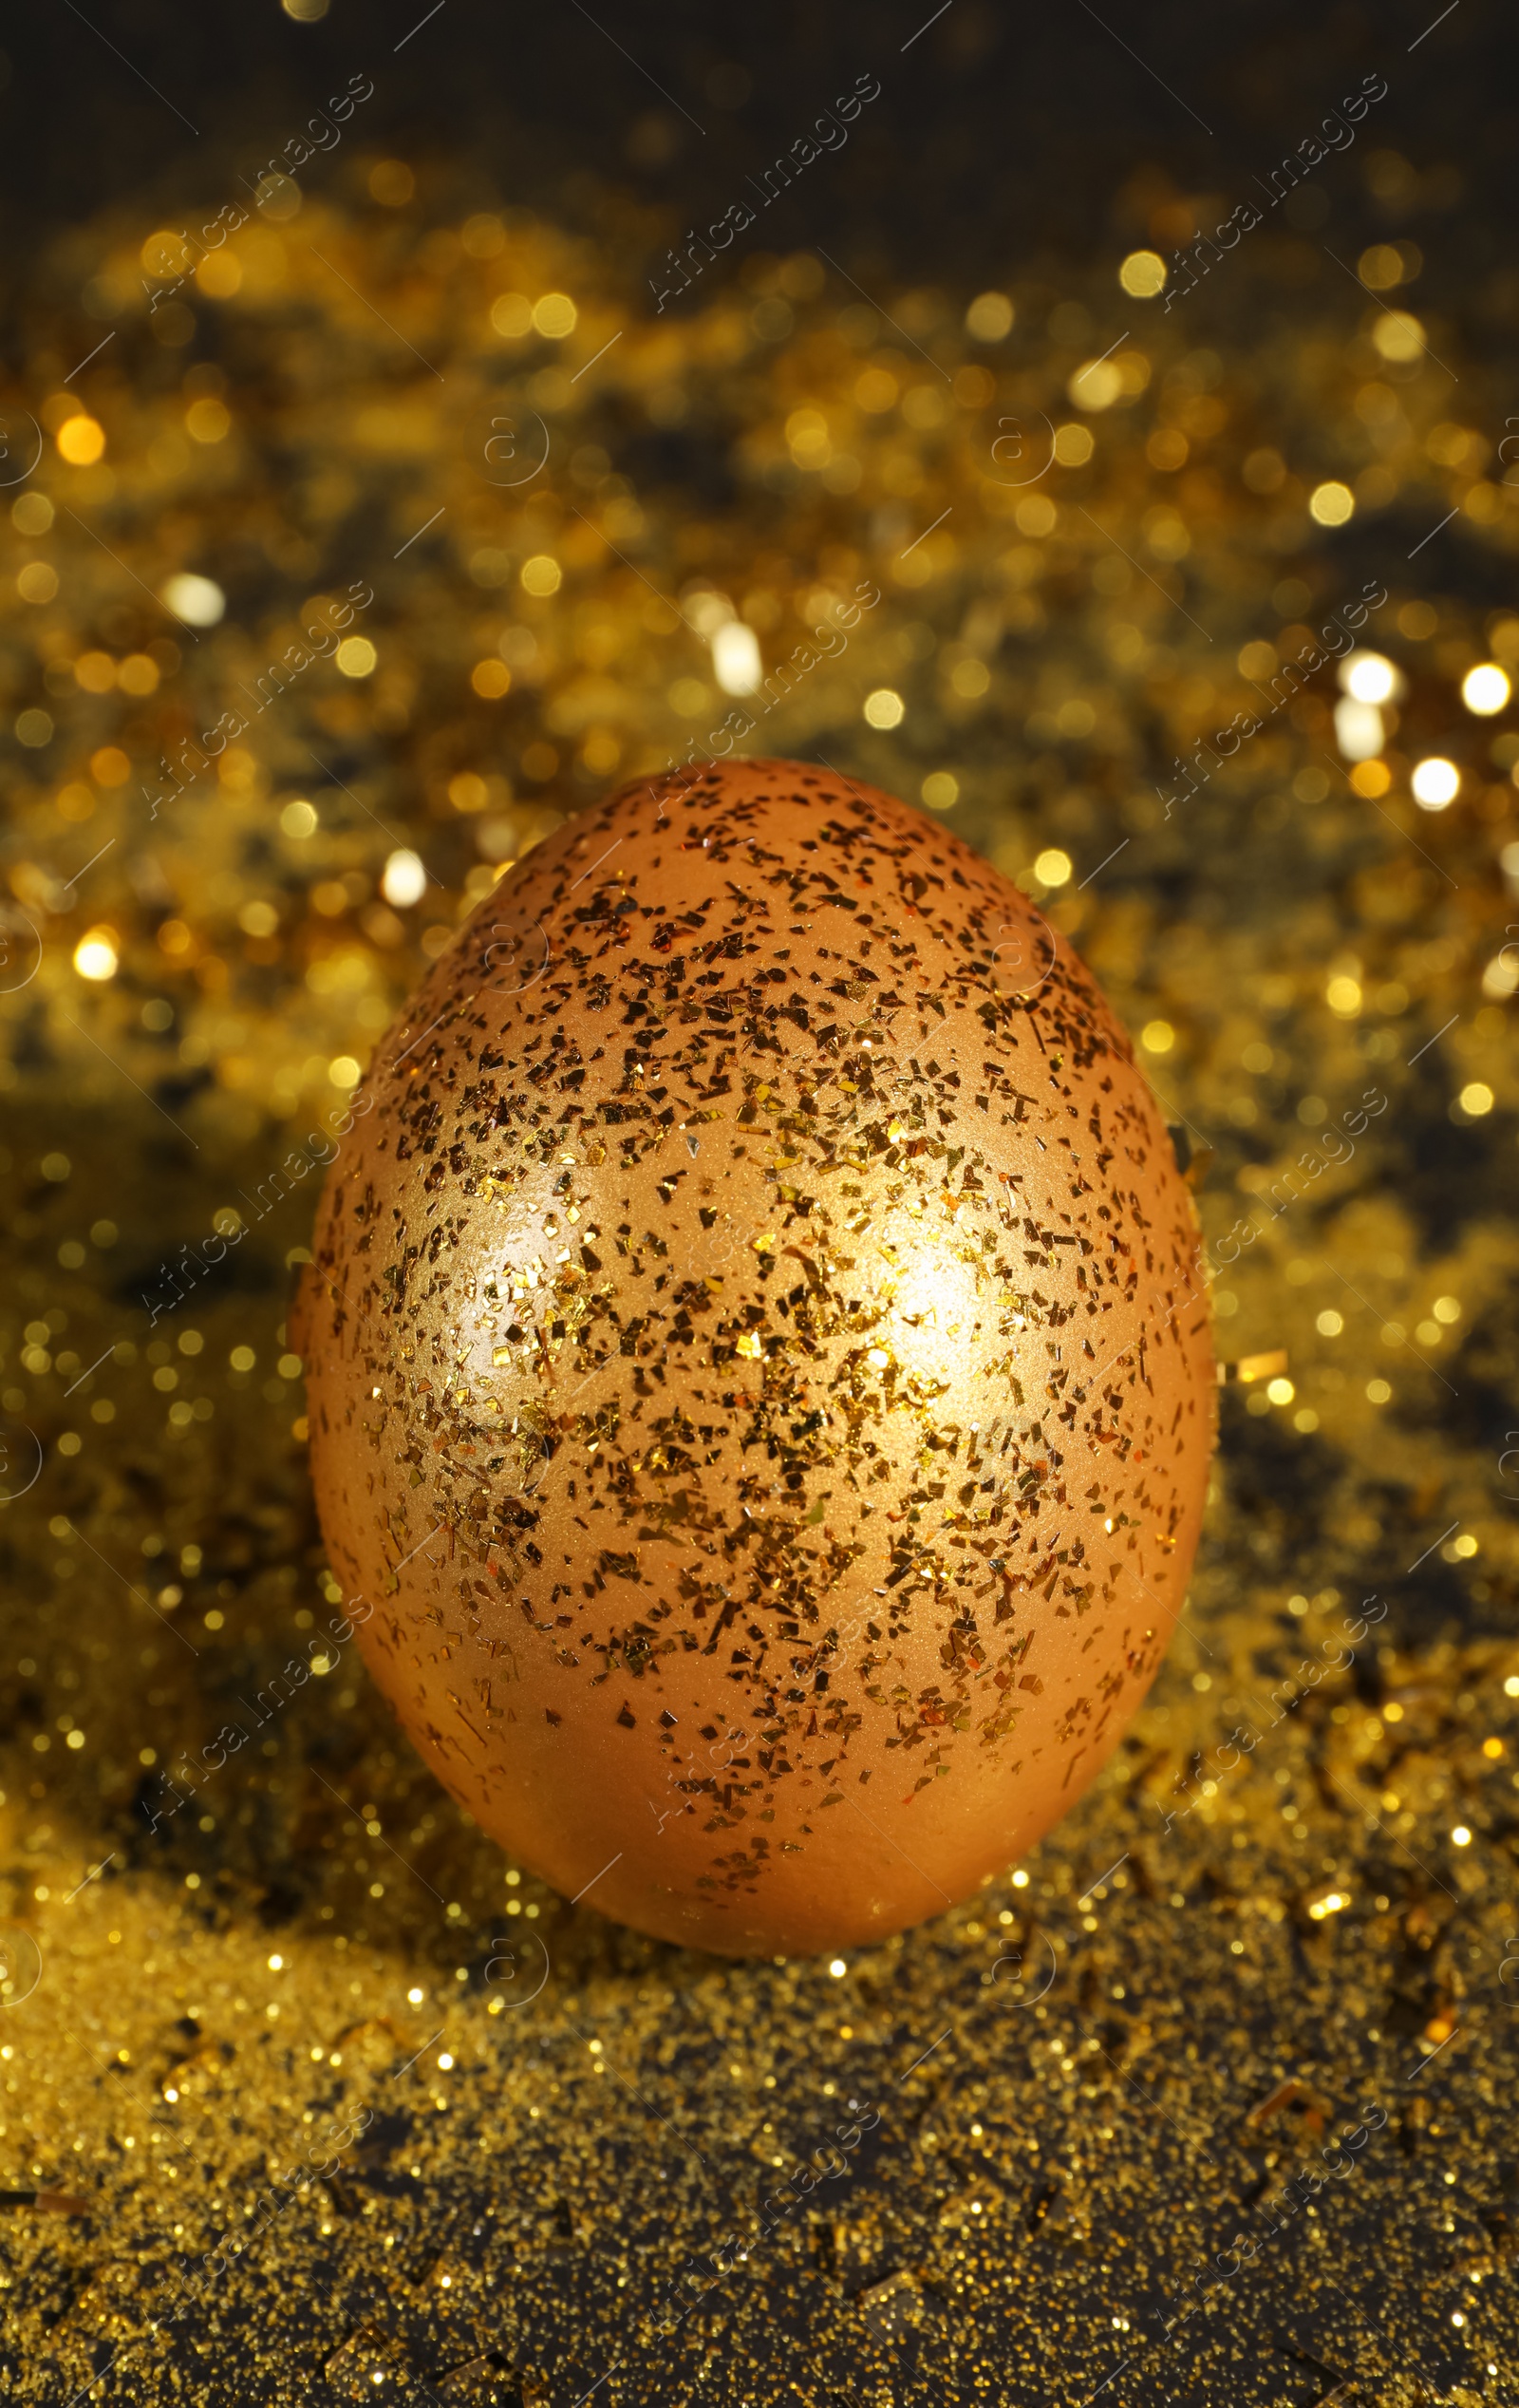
(96, 954)
(403, 880)
(1435, 782)
(1369, 677)
(736, 658)
(1484, 688)
(1358, 729)
(199, 601)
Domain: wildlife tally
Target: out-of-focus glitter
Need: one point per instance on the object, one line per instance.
(561, 2204)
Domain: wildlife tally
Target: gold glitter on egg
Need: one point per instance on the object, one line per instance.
(791, 1549)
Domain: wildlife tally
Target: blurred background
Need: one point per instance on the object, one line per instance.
(414, 422)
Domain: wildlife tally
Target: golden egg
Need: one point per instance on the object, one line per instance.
(761, 1385)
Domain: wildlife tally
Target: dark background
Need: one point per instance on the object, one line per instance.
(996, 131)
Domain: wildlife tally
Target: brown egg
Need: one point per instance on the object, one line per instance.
(760, 1378)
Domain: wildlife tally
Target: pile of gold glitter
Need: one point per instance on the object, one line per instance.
(361, 551)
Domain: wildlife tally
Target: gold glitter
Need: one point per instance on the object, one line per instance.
(537, 2186)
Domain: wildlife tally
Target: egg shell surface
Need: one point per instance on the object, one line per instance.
(760, 1380)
